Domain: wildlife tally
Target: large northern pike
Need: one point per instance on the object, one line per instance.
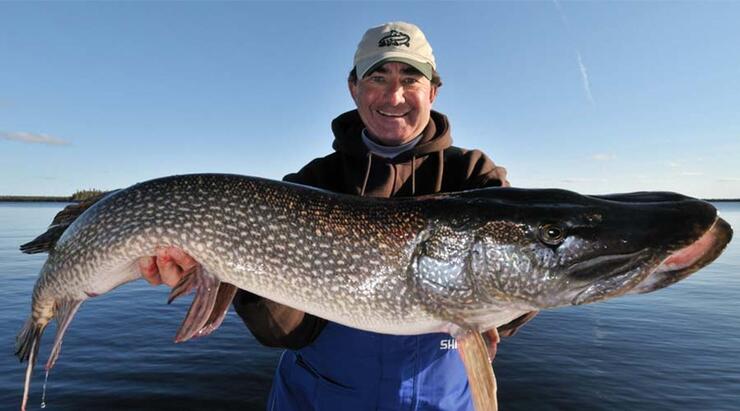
(462, 263)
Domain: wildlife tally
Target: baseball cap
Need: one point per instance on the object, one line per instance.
(394, 41)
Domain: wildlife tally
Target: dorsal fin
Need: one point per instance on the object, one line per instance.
(46, 241)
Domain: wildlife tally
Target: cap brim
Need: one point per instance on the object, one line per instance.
(424, 68)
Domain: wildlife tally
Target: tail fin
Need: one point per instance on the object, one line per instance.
(29, 339)
(27, 349)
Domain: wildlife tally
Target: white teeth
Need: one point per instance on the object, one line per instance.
(391, 114)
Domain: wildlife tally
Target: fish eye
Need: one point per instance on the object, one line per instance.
(552, 234)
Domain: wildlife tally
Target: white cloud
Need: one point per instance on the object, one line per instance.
(692, 173)
(32, 138)
(674, 164)
(603, 157)
(729, 180)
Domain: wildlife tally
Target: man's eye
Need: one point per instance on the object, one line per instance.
(410, 80)
(377, 79)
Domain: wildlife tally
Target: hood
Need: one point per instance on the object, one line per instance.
(348, 127)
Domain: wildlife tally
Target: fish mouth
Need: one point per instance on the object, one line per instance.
(689, 259)
(608, 276)
(643, 274)
(606, 266)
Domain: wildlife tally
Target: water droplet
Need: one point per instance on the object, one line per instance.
(43, 392)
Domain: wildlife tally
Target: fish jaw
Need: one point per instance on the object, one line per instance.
(689, 259)
(657, 272)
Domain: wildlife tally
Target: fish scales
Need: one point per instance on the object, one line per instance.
(464, 263)
(319, 243)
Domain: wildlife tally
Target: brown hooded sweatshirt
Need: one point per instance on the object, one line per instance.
(433, 165)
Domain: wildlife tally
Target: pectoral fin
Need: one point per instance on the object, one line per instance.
(185, 285)
(475, 355)
(224, 298)
(209, 306)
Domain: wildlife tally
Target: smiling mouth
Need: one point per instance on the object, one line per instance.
(391, 115)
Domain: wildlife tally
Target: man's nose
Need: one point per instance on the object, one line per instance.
(394, 93)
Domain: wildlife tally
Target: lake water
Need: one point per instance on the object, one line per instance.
(678, 348)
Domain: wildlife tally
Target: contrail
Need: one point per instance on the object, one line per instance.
(561, 12)
(584, 77)
(32, 138)
(582, 67)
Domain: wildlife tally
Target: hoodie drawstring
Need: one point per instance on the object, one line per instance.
(440, 171)
(413, 174)
(437, 181)
(367, 173)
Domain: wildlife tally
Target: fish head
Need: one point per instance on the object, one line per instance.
(549, 248)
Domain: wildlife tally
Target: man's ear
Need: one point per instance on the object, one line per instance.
(352, 89)
(433, 93)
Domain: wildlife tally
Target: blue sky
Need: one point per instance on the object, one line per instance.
(595, 97)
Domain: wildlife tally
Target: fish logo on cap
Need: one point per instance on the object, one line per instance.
(395, 38)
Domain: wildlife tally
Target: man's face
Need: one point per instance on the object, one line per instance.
(394, 102)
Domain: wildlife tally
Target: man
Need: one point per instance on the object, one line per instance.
(393, 144)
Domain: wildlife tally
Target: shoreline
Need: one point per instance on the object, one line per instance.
(36, 199)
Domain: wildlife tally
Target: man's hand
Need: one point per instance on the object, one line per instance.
(166, 267)
(273, 324)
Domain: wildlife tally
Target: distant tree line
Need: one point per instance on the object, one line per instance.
(82, 195)
(79, 195)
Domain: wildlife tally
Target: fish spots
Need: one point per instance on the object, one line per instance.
(505, 232)
(276, 238)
